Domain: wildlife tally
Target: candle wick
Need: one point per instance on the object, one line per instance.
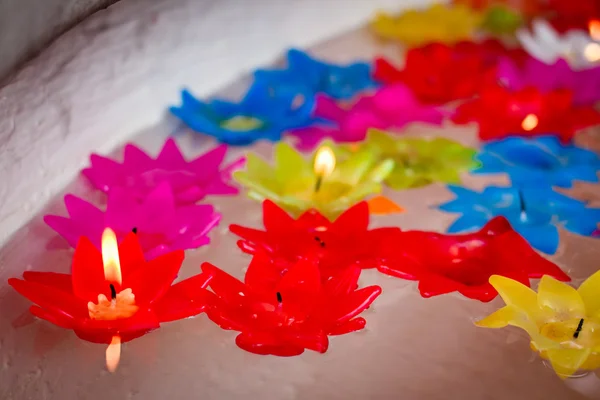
(113, 292)
(279, 298)
(578, 330)
(134, 230)
(318, 183)
(321, 243)
(521, 202)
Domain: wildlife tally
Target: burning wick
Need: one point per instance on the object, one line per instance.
(279, 298)
(321, 243)
(324, 165)
(530, 122)
(134, 230)
(522, 207)
(578, 330)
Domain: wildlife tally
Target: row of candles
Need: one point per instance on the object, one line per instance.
(302, 283)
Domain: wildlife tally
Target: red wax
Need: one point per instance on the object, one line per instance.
(500, 112)
(438, 73)
(62, 299)
(338, 244)
(284, 316)
(464, 263)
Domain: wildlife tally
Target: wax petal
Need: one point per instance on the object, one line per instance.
(353, 325)
(131, 255)
(56, 280)
(262, 275)
(343, 283)
(155, 278)
(54, 300)
(514, 293)
(97, 331)
(567, 361)
(355, 218)
(256, 344)
(353, 304)
(88, 272)
(184, 299)
(561, 298)
(300, 288)
(57, 319)
(500, 318)
(588, 291)
(225, 285)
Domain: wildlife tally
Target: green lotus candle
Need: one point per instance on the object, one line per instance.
(298, 184)
(418, 161)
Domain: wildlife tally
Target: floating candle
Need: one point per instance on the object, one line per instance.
(438, 23)
(538, 161)
(292, 181)
(305, 74)
(534, 212)
(562, 322)
(464, 263)
(173, 228)
(502, 112)
(261, 114)
(285, 315)
(139, 173)
(339, 244)
(417, 161)
(111, 297)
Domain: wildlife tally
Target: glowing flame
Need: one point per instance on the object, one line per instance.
(592, 52)
(530, 122)
(594, 27)
(110, 256)
(324, 161)
(113, 353)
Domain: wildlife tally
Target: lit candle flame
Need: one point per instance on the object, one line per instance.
(591, 52)
(113, 353)
(594, 27)
(110, 256)
(530, 122)
(324, 161)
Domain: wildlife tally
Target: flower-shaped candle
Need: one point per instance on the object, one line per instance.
(171, 228)
(438, 23)
(339, 244)
(261, 114)
(584, 84)
(294, 313)
(298, 184)
(562, 322)
(464, 263)
(113, 296)
(534, 212)
(139, 173)
(304, 74)
(582, 15)
(501, 19)
(540, 161)
(392, 106)
(500, 112)
(548, 46)
(438, 73)
(418, 161)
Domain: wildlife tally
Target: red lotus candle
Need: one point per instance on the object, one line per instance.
(439, 73)
(338, 244)
(500, 112)
(283, 316)
(575, 15)
(464, 263)
(113, 296)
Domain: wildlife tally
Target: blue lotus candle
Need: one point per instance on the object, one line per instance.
(534, 212)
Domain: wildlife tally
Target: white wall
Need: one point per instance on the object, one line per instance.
(27, 25)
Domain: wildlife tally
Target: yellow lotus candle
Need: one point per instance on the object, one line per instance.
(320, 182)
(562, 322)
(438, 23)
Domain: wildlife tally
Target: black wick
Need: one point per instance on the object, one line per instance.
(279, 298)
(318, 184)
(134, 230)
(113, 292)
(578, 330)
(321, 243)
(521, 202)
